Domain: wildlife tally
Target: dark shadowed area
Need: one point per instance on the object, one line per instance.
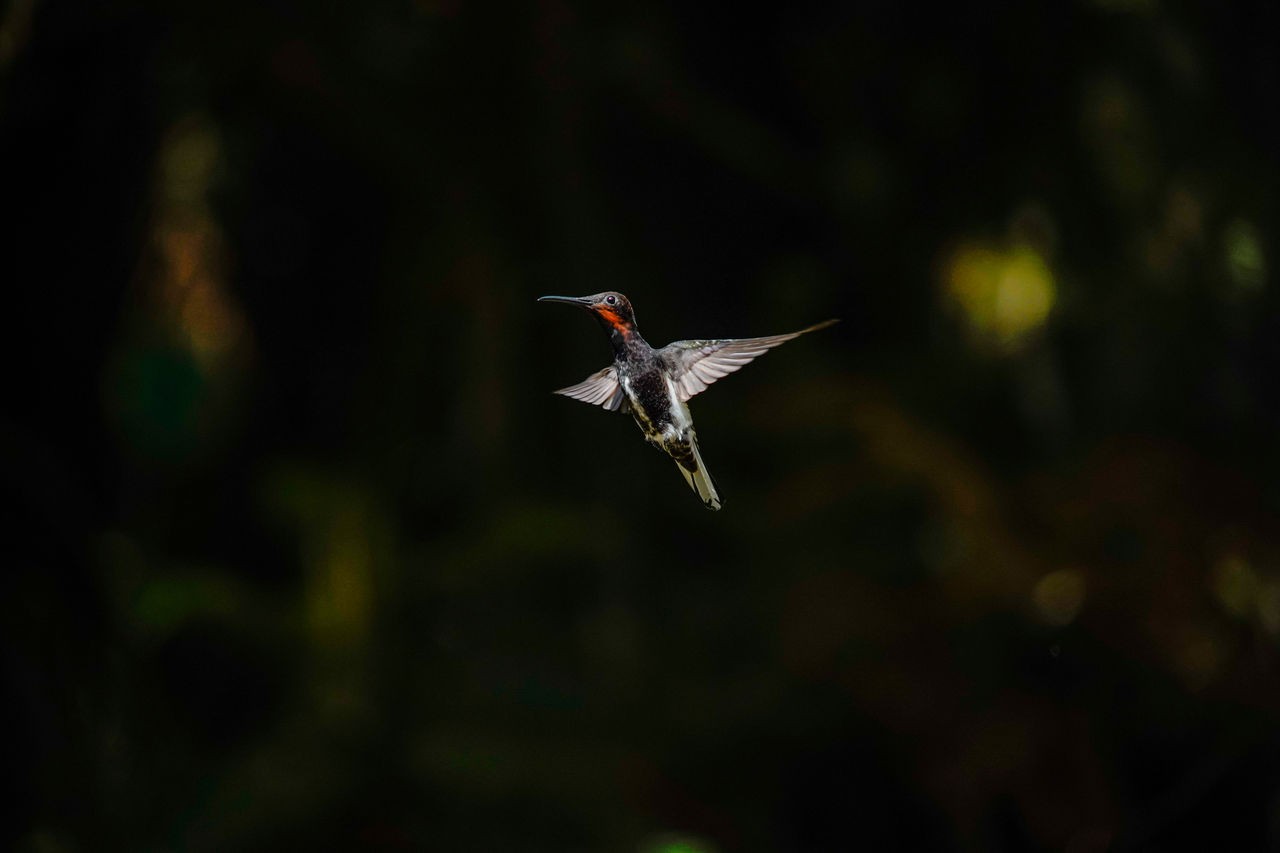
(304, 554)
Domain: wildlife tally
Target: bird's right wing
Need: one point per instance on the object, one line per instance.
(598, 389)
(696, 364)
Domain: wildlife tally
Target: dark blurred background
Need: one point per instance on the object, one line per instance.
(304, 553)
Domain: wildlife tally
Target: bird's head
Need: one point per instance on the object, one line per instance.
(611, 308)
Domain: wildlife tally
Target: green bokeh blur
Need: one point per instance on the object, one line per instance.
(306, 556)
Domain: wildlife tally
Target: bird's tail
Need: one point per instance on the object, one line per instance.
(700, 479)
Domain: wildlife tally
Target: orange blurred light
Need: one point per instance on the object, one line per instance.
(190, 285)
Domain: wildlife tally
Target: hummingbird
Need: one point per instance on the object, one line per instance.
(655, 385)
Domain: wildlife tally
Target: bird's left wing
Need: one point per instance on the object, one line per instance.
(598, 389)
(696, 364)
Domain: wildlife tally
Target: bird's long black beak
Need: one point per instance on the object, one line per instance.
(580, 301)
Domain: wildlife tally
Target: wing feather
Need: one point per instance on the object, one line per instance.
(694, 365)
(598, 389)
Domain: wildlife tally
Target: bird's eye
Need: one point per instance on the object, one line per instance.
(612, 300)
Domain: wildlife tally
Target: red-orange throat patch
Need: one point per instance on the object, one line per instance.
(613, 318)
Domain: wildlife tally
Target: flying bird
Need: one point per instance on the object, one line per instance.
(655, 385)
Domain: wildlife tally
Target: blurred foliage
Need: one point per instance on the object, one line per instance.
(307, 556)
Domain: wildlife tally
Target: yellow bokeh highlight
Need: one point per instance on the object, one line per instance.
(1246, 261)
(1058, 597)
(1005, 296)
(1235, 584)
(1246, 592)
(339, 590)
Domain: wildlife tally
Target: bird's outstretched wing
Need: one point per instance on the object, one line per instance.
(696, 364)
(598, 389)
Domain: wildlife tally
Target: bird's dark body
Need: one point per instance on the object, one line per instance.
(653, 385)
(642, 373)
(647, 398)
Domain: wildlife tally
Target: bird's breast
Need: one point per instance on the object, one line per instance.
(650, 402)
